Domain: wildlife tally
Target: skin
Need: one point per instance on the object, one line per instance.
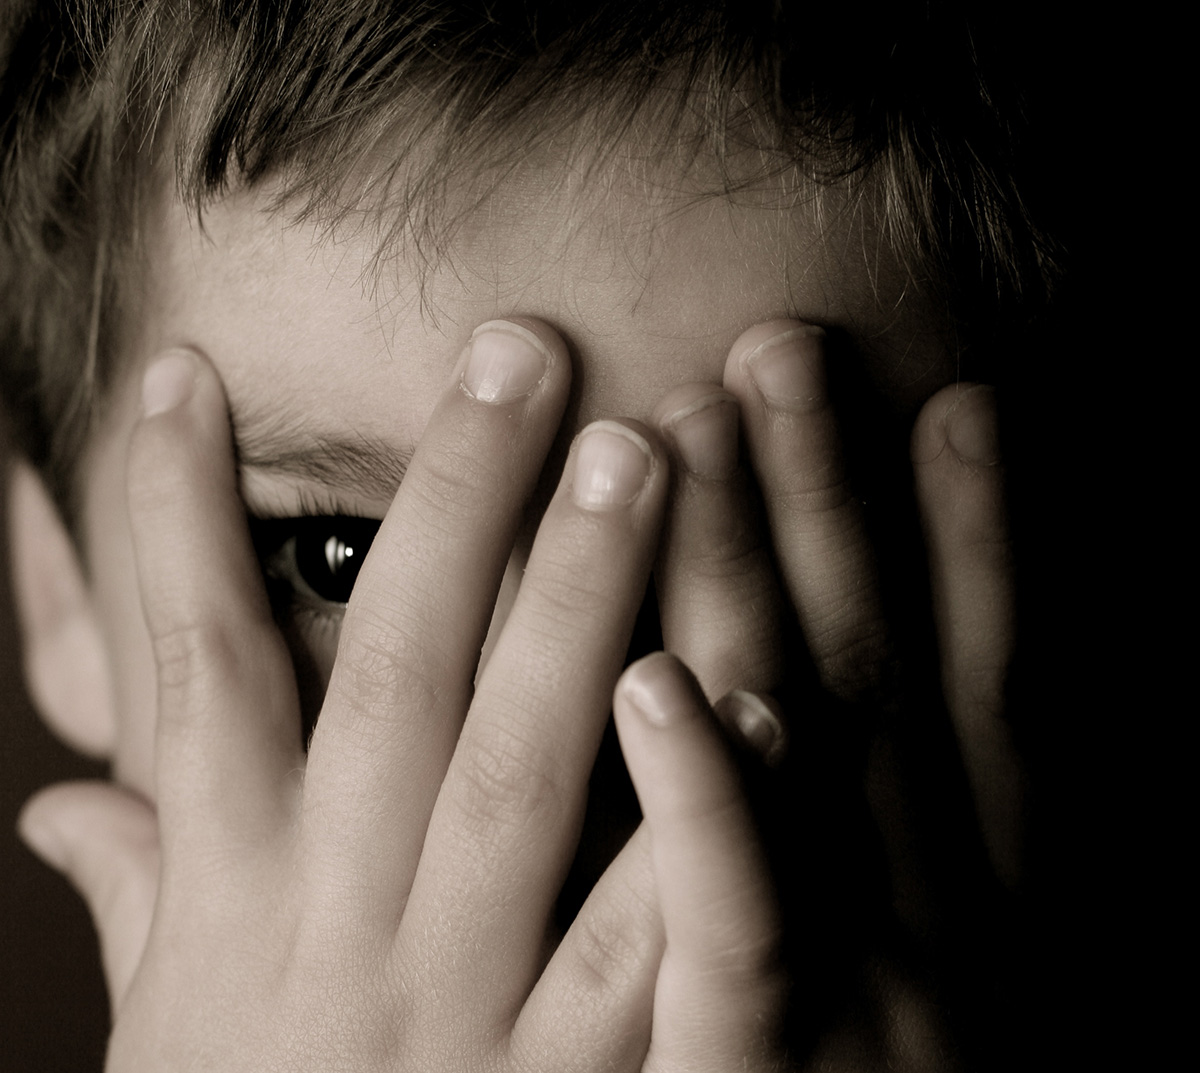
(402, 875)
(635, 292)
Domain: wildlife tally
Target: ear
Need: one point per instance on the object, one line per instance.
(65, 660)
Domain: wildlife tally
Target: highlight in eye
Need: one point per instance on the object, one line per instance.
(312, 561)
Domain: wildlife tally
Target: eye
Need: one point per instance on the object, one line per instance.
(312, 560)
(329, 552)
(310, 565)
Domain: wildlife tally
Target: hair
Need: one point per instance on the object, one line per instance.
(101, 101)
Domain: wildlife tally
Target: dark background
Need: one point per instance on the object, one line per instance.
(1095, 442)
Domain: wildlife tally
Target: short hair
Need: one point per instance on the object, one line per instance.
(100, 100)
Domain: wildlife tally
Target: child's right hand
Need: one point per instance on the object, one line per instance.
(383, 903)
(771, 578)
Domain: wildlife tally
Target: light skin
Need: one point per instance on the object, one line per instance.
(383, 900)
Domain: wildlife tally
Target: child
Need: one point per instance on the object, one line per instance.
(492, 291)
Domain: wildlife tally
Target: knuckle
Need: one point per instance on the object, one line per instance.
(505, 783)
(383, 669)
(985, 541)
(453, 484)
(608, 950)
(747, 958)
(727, 549)
(187, 654)
(823, 490)
(562, 593)
(856, 666)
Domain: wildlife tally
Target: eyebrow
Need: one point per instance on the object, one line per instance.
(363, 467)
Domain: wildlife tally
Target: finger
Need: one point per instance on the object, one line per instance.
(65, 661)
(105, 841)
(413, 631)
(721, 988)
(777, 371)
(960, 492)
(591, 1008)
(228, 738)
(504, 829)
(756, 721)
(718, 595)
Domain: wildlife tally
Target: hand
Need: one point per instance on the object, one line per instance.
(769, 581)
(382, 903)
(719, 989)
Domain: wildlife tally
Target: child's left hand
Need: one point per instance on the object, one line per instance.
(382, 903)
(693, 884)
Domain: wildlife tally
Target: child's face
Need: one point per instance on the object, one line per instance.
(319, 351)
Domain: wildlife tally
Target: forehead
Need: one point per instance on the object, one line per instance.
(317, 335)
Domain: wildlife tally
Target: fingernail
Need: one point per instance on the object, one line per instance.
(657, 691)
(705, 434)
(506, 361)
(789, 369)
(168, 382)
(755, 721)
(971, 426)
(612, 464)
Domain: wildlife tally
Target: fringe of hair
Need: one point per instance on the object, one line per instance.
(385, 105)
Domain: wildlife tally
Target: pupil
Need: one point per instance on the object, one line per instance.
(329, 554)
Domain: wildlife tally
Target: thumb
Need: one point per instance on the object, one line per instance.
(105, 841)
